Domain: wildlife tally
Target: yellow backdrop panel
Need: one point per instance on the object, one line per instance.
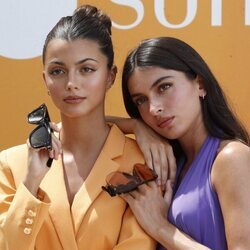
(219, 30)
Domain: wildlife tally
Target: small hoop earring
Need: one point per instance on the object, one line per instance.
(203, 96)
(48, 93)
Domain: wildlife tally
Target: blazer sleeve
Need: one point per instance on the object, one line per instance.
(21, 214)
(132, 236)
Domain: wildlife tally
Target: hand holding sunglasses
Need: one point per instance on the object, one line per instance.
(122, 182)
(40, 137)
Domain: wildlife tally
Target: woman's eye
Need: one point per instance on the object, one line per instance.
(87, 69)
(56, 72)
(164, 87)
(139, 101)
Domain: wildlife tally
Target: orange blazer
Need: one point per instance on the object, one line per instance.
(95, 221)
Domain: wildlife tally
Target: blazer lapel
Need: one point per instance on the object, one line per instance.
(54, 185)
(104, 165)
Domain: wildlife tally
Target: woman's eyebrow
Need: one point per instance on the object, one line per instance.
(86, 59)
(77, 63)
(159, 80)
(153, 85)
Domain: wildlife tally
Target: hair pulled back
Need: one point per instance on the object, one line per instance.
(87, 22)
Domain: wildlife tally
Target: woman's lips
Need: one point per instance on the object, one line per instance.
(165, 122)
(74, 99)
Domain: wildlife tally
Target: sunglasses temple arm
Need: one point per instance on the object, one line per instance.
(49, 162)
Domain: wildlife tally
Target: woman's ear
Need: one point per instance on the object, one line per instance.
(112, 76)
(45, 83)
(44, 80)
(202, 90)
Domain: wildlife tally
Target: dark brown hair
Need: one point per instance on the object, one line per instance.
(87, 22)
(172, 53)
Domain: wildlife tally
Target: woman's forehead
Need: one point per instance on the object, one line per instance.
(76, 50)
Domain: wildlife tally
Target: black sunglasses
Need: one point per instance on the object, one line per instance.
(40, 137)
(122, 182)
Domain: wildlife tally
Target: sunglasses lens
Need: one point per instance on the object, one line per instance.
(118, 178)
(40, 137)
(144, 173)
(121, 182)
(37, 115)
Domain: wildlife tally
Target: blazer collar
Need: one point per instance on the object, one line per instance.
(104, 165)
(53, 184)
(68, 220)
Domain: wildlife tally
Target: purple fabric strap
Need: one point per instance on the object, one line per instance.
(195, 209)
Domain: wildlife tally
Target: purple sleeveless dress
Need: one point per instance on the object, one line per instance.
(195, 208)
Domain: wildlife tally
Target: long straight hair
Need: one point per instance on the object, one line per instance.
(172, 53)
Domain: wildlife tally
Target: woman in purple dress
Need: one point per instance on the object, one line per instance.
(168, 86)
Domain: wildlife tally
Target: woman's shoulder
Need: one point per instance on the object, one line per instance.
(232, 162)
(13, 162)
(131, 147)
(15, 149)
(14, 155)
(232, 150)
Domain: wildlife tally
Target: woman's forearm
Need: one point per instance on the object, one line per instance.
(173, 239)
(126, 125)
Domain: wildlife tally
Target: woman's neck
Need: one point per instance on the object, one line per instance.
(82, 133)
(192, 142)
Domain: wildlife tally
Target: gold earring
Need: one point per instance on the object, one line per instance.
(48, 92)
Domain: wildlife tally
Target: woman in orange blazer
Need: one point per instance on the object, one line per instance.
(64, 207)
(94, 220)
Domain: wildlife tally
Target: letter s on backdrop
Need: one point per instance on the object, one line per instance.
(137, 6)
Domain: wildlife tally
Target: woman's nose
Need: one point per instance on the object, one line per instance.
(72, 82)
(71, 85)
(155, 109)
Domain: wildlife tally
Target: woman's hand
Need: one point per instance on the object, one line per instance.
(151, 209)
(158, 153)
(37, 159)
(149, 206)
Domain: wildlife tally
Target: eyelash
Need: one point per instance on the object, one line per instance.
(140, 100)
(56, 72)
(87, 69)
(163, 87)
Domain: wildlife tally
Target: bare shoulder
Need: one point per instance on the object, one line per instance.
(232, 163)
(232, 151)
